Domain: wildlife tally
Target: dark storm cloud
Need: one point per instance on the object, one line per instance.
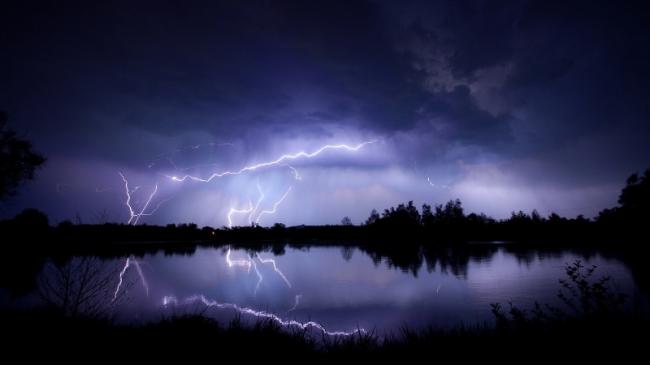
(549, 93)
(463, 121)
(220, 68)
(562, 76)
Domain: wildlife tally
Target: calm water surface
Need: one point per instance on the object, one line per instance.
(341, 288)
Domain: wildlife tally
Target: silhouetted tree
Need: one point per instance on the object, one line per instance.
(580, 219)
(476, 219)
(451, 213)
(373, 218)
(555, 218)
(347, 252)
(31, 219)
(636, 193)
(635, 196)
(80, 287)
(428, 219)
(18, 161)
(634, 202)
(346, 221)
(519, 218)
(278, 227)
(30, 223)
(405, 215)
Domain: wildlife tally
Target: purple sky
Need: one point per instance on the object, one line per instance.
(505, 105)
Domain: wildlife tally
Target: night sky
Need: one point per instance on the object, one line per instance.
(507, 105)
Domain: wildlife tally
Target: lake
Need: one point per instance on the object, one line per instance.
(338, 289)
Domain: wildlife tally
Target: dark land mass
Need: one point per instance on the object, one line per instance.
(199, 338)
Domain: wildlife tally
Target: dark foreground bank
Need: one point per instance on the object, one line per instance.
(196, 335)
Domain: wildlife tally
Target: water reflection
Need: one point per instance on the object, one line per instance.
(339, 288)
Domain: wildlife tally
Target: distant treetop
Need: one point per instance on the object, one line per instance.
(18, 161)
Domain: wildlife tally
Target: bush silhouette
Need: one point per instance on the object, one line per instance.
(584, 298)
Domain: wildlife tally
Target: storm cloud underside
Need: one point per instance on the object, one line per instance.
(505, 105)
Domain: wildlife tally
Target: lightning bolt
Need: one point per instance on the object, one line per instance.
(134, 217)
(171, 162)
(169, 300)
(127, 264)
(251, 210)
(153, 211)
(275, 268)
(253, 215)
(243, 263)
(446, 187)
(294, 171)
(250, 263)
(168, 156)
(146, 204)
(279, 160)
(259, 276)
(247, 263)
(275, 206)
(239, 211)
(434, 185)
(257, 205)
(295, 304)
